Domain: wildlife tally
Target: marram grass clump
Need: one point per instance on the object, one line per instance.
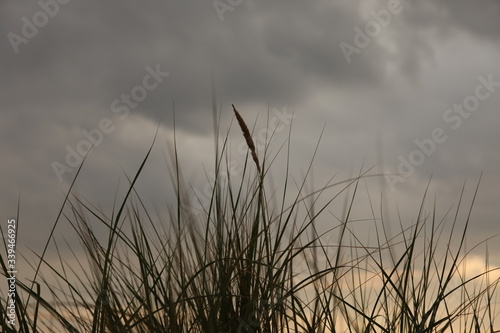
(253, 261)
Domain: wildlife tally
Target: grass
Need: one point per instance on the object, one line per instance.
(253, 260)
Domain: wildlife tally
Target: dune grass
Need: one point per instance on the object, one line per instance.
(252, 260)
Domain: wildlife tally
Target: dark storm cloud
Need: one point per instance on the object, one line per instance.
(97, 51)
(478, 17)
(89, 54)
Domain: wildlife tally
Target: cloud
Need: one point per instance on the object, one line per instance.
(65, 79)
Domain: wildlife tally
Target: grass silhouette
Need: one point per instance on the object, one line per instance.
(253, 261)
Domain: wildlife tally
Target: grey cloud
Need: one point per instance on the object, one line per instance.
(66, 77)
(98, 51)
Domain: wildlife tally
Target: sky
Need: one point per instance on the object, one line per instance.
(411, 88)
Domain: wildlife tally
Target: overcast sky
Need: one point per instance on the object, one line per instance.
(413, 86)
